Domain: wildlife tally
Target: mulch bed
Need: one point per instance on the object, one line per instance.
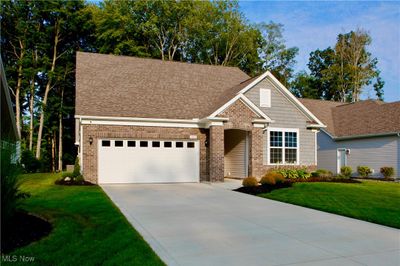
(73, 183)
(263, 188)
(288, 183)
(26, 228)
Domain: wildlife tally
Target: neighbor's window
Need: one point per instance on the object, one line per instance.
(283, 146)
(131, 143)
(179, 144)
(156, 144)
(143, 144)
(167, 144)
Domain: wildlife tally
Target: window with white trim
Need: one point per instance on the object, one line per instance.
(265, 97)
(283, 146)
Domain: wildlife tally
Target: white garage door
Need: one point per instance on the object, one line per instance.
(148, 161)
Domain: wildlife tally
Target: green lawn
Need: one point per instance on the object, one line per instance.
(87, 228)
(373, 201)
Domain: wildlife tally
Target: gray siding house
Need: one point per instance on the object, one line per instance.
(362, 133)
(151, 121)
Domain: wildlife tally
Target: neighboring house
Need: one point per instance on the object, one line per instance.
(144, 120)
(361, 133)
(9, 133)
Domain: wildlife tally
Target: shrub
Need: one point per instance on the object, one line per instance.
(77, 168)
(303, 174)
(250, 182)
(387, 172)
(67, 174)
(29, 161)
(268, 179)
(322, 173)
(346, 171)
(10, 192)
(364, 171)
(289, 173)
(278, 177)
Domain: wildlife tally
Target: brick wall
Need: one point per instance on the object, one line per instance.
(216, 153)
(240, 116)
(135, 132)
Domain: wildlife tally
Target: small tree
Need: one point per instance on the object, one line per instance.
(77, 168)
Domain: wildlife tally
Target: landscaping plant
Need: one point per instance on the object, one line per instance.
(387, 172)
(268, 179)
(250, 182)
(346, 171)
(364, 171)
(10, 192)
(322, 173)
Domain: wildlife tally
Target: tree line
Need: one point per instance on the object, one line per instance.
(39, 40)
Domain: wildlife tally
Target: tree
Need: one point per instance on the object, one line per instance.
(303, 86)
(275, 56)
(378, 87)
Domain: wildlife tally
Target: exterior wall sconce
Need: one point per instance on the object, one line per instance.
(90, 140)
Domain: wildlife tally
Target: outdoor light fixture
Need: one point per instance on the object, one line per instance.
(90, 140)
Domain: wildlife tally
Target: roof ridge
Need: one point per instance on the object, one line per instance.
(160, 60)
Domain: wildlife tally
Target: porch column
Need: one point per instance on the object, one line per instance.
(216, 153)
(256, 152)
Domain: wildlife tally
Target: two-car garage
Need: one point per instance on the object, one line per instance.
(148, 161)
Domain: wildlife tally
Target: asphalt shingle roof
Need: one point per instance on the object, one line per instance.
(122, 86)
(353, 119)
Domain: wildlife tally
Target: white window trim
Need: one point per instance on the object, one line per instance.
(283, 130)
(338, 150)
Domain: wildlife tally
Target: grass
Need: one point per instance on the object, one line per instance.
(372, 201)
(87, 228)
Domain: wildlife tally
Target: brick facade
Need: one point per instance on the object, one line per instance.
(211, 142)
(125, 132)
(216, 153)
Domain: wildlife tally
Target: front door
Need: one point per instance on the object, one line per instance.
(341, 159)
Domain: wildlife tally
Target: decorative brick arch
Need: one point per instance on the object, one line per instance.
(240, 116)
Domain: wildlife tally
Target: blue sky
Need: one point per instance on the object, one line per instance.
(312, 25)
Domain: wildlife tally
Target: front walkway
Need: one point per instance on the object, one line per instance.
(207, 224)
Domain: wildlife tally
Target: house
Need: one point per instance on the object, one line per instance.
(361, 133)
(9, 133)
(147, 121)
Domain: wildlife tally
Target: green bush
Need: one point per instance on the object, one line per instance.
(29, 161)
(303, 174)
(67, 174)
(364, 171)
(77, 168)
(346, 171)
(322, 173)
(387, 172)
(250, 182)
(268, 179)
(10, 192)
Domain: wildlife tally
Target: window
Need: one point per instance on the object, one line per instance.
(190, 144)
(105, 143)
(143, 144)
(167, 144)
(265, 97)
(179, 144)
(119, 143)
(283, 146)
(131, 143)
(156, 144)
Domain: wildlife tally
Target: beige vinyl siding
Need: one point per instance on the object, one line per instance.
(285, 115)
(373, 152)
(235, 158)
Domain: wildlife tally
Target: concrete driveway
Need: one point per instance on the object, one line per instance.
(203, 224)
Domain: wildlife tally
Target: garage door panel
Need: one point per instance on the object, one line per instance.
(149, 164)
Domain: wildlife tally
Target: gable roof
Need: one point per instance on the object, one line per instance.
(124, 86)
(362, 118)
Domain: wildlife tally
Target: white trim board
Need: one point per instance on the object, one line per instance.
(247, 102)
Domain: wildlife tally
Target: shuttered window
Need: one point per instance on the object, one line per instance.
(265, 97)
